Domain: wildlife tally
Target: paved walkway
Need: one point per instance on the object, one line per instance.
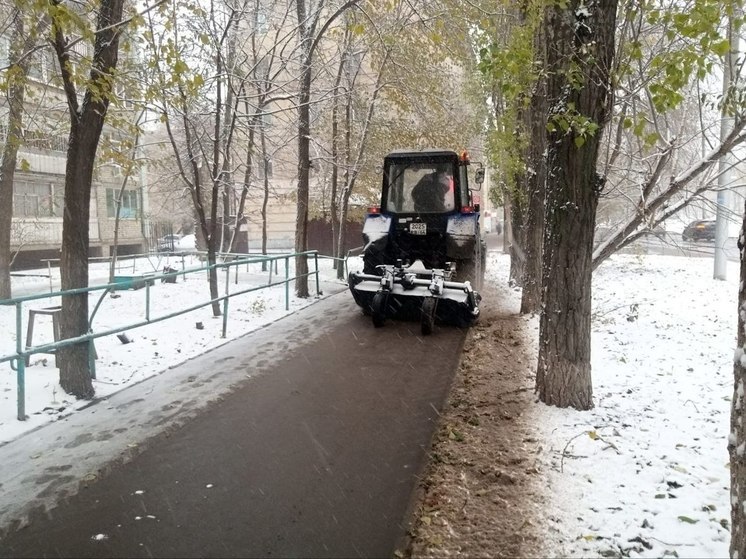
(316, 453)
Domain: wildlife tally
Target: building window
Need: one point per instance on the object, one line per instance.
(41, 140)
(261, 23)
(37, 199)
(41, 65)
(130, 203)
(266, 121)
(4, 51)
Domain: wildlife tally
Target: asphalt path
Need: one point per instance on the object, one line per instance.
(315, 455)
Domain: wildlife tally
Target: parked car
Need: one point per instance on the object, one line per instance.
(700, 230)
(167, 243)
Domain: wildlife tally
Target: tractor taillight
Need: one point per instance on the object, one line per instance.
(467, 209)
(374, 210)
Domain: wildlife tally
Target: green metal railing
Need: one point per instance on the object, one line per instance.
(17, 360)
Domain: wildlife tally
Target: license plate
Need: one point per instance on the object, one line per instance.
(418, 228)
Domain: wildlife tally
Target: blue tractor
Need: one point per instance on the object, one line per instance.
(423, 256)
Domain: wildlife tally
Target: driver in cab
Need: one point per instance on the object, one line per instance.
(433, 193)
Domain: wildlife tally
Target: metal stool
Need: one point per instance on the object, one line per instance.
(49, 311)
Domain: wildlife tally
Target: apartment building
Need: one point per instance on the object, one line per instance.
(38, 188)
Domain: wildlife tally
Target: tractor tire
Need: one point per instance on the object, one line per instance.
(483, 260)
(472, 269)
(466, 271)
(378, 309)
(429, 306)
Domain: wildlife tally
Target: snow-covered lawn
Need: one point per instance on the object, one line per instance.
(645, 473)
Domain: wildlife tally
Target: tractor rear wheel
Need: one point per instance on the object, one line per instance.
(466, 270)
(472, 269)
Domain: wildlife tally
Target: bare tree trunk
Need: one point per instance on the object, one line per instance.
(737, 438)
(115, 248)
(225, 229)
(215, 234)
(226, 174)
(16, 76)
(246, 180)
(265, 199)
(350, 176)
(309, 40)
(118, 202)
(352, 170)
(584, 41)
(334, 206)
(348, 179)
(334, 203)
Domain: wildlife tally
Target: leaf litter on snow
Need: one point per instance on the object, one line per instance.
(645, 473)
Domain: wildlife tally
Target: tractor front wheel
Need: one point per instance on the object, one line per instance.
(378, 308)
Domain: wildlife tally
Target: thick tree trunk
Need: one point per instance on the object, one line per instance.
(86, 123)
(582, 40)
(507, 223)
(304, 132)
(301, 221)
(75, 376)
(16, 90)
(536, 118)
(517, 242)
(737, 438)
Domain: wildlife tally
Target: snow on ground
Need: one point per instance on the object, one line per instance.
(152, 348)
(644, 474)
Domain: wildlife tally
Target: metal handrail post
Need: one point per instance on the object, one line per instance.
(49, 272)
(147, 300)
(20, 366)
(91, 357)
(316, 263)
(225, 301)
(287, 283)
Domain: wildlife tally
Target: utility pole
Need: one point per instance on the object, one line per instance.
(720, 271)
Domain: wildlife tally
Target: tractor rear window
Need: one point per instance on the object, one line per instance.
(420, 188)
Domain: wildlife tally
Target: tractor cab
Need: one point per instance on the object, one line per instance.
(425, 183)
